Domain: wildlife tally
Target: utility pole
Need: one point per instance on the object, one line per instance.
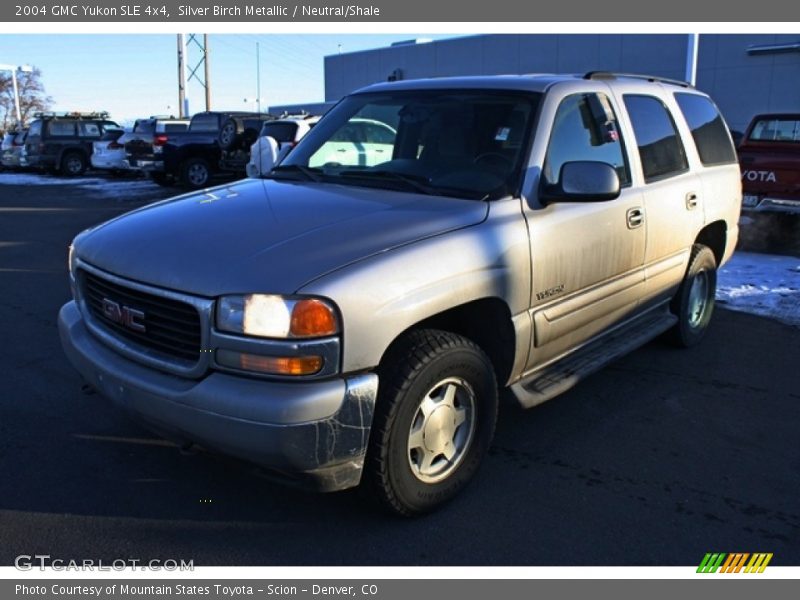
(207, 81)
(204, 80)
(258, 77)
(182, 112)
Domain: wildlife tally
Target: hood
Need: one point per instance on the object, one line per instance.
(261, 235)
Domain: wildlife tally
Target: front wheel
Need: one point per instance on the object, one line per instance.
(434, 421)
(694, 302)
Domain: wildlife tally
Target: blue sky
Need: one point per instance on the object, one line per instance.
(136, 75)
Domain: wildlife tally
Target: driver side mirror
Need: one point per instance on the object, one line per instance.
(583, 181)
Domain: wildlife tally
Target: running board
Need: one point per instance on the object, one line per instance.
(557, 378)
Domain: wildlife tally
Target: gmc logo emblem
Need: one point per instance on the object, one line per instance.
(124, 315)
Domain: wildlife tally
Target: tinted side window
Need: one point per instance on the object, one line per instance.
(61, 128)
(280, 132)
(205, 123)
(175, 127)
(708, 129)
(585, 128)
(660, 146)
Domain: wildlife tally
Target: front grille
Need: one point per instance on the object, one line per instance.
(172, 327)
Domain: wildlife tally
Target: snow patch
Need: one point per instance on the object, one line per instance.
(761, 284)
(123, 189)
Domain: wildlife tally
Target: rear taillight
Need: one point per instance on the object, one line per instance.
(160, 140)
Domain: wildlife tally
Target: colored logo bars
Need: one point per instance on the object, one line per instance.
(734, 563)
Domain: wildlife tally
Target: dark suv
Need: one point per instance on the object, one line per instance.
(63, 142)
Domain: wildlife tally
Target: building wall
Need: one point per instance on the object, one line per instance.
(741, 84)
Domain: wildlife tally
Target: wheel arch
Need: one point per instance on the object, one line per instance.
(715, 236)
(485, 321)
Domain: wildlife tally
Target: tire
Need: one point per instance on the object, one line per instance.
(694, 302)
(429, 381)
(163, 179)
(195, 173)
(73, 164)
(228, 134)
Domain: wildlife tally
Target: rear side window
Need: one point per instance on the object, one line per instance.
(776, 130)
(204, 123)
(708, 129)
(585, 128)
(660, 146)
(61, 128)
(89, 129)
(35, 128)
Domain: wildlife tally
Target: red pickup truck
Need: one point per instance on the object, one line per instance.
(769, 156)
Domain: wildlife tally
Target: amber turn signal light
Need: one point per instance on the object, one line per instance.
(313, 318)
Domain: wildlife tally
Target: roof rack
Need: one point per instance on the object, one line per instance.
(652, 78)
(72, 114)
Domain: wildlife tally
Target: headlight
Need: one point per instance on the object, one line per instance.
(270, 316)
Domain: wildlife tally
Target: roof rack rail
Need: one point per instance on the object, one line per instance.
(613, 75)
(72, 114)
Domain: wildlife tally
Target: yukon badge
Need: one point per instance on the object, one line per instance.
(123, 315)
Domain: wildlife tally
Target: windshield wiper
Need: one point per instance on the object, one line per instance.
(307, 172)
(413, 182)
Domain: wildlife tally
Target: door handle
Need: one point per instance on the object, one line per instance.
(634, 217)
(691, 201)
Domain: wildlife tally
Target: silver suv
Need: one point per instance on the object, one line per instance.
(351, 316)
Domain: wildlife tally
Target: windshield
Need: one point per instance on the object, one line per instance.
(461, 143)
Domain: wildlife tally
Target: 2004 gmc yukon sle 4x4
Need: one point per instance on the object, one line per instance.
(336, 319)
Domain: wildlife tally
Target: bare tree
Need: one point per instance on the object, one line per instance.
(32, 97)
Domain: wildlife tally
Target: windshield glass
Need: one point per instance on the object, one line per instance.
(461, 143)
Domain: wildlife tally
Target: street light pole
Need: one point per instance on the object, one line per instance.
(16, 94)
(14, 69)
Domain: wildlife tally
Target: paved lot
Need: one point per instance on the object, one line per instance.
(656, 460)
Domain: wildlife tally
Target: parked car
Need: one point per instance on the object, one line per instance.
(13, 142)
(144, 145)
(288, 130)
(108, 154)
(63, 142)
(769, 156)
(194, 157)
(338, 322)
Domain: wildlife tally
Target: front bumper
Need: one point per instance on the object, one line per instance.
(311, 434)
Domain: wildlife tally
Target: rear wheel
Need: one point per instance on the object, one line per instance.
(72, 164)
(434, 420)
(195, 173)
(694, 302)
